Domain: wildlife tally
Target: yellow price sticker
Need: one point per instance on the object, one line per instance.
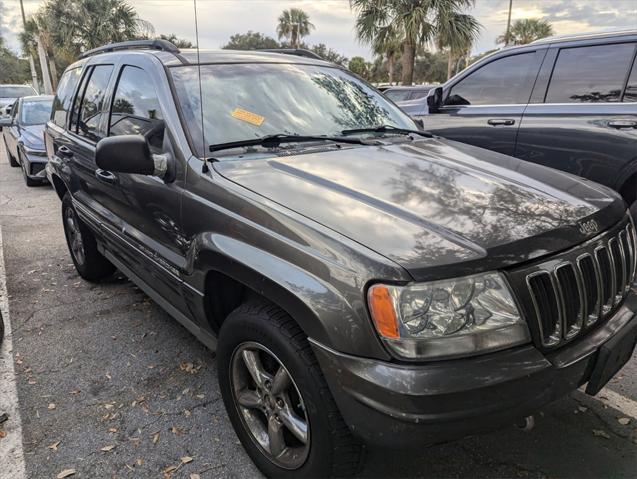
(248, 116)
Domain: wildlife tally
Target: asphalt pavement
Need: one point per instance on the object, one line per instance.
(108, 385)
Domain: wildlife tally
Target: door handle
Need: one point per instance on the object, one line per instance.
(65, 152)
(105, 176)
(501, 121)
(622, 123)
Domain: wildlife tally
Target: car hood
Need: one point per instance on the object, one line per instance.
(436, 207)
(33, 136)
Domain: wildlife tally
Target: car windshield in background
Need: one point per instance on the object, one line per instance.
(16, 91)
(35, 112)
(398, 95)
(247, 101)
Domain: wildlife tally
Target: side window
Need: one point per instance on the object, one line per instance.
(64, 96)
(505, 81)
(589, 74)
(91, 107)
(136, 109)
(631, 88)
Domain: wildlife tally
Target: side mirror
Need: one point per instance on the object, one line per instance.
(434, 99)
(5, 121)
(125, 154)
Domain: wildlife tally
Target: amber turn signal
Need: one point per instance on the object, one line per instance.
(382, 309)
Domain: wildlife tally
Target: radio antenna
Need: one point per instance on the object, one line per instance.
(203, 135)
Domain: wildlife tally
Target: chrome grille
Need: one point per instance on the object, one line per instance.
(581, 288)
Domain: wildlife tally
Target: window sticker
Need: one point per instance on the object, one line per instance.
(248, 116)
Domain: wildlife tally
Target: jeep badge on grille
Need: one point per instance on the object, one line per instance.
(588, 227)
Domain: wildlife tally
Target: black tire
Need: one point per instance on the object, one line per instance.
(333, 451)
(12, 161)
(90, 264)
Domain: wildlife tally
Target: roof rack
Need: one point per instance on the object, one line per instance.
(583, 36)
(299, 52)
(162, 45)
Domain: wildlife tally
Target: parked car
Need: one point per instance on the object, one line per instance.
(8, 96)
(23, 136)
(565, 102)
(406, 93)
(361, 281)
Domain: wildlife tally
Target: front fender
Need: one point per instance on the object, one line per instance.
(333, 318)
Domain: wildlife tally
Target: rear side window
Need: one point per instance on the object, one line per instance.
(631, 87)
(505, 81)
(91, 108)
(590, 74)
(64, 96)
(136, 109)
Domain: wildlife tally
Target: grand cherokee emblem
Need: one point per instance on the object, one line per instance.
(588, 227)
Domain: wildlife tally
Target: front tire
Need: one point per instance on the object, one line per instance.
(88, 261)
(12, 161)
(277, 398)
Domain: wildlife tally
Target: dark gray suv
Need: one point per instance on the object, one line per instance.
(565, 102)
(360, 281)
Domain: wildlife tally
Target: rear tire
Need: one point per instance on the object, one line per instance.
(330, 449)
(89, 262)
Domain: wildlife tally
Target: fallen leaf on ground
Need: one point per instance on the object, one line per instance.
(66, 473)
(177, 430)
(155, 438)
(113, 429)
(190, 368)
(108, 448)
(624, 421)
(186, 459)
(3, 434)
(169, 469)
(51, 406)
(54, 446)
(600, 433)
(582, 408)
(195, 476)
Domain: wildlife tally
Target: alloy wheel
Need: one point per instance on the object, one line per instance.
(74, 236)
(270, 405)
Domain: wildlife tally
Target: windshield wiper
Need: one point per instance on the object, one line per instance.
(273, 141)
(386, 129)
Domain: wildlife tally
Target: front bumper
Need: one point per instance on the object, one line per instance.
(403, 405)
(35, 166)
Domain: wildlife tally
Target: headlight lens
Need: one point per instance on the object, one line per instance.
(448, 318)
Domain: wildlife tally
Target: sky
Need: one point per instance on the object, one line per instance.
(334, 20)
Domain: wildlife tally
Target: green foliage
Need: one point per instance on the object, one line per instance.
(526, 31)
(328, 54)
(12, 68)
(178, 42)
(358, 65)
(251, 41)
(294, 24)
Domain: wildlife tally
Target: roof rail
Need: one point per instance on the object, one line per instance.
(162, 45)
(299, 52)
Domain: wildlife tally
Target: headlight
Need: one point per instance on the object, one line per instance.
(449, 318)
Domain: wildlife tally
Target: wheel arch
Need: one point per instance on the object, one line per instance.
(59, 186)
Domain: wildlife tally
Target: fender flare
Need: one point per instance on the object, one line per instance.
(321, 311)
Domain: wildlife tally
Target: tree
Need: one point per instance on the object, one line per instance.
(294, 24)
(178, 42)
(389, 48)
(12, 68)
(414, 23)
(358, 66)
(328, 54)
(251, 41)
(456, 34)
(526, 31)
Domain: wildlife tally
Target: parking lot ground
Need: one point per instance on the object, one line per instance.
(110, 386)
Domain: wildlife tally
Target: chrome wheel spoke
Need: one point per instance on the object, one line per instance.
(249, 399)
(255, 368)
(281, 381)
(275, 436)
(293, 422)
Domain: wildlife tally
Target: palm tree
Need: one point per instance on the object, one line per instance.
(526, 31)
(456, 34)
(388, 49)
(413, 22)
(294, 24)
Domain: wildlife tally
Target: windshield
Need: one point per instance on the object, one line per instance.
(16, 91)
(35, 112)
(398, 95)
(247, 101)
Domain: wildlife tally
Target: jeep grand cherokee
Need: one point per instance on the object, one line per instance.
(360, 280)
